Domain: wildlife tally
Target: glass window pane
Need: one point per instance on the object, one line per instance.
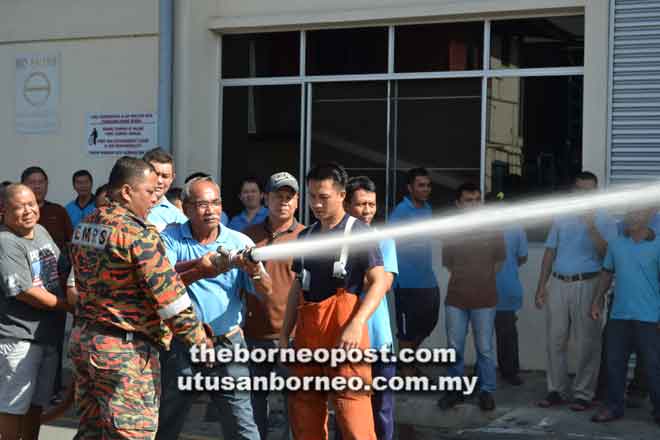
(261, 55)
(349, 126)
(260, 136)
(439, 47)
(537, 42)
(534, 142)
(438, 127)
(347, 51)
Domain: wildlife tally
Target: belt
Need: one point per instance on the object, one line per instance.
(111, 330)
(576, 277)
(232, 332)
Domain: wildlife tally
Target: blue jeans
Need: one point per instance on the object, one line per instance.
(483, 327)
(260, 398)
(234, 407)
(622, 338)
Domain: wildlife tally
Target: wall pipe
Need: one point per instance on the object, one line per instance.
(165, 68)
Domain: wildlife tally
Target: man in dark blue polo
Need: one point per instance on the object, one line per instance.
(634, 257)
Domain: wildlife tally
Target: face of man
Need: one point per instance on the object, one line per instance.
(38, 183)
(141, 195)
(204, 209)
(22, 211)
(638, 219)
(420, 189)
(363, 205)
(164, 177)
(282, 204)
(102, 199)
(469, 200)
(325, 199)
(83, 186)
(585, 185)
(250, 195)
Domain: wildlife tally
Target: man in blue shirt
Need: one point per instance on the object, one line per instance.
(416, 292)
(635, 311)
(361, 204)
(217, 303)
(84, 204)
(573, 256)
(509, 301)
(224, 220)
(254, 212)
(163, 212)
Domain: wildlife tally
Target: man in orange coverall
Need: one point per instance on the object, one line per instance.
(327, 312)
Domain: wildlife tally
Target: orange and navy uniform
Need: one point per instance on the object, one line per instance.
(125, 280)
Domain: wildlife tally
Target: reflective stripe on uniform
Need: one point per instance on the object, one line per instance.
(175, 308)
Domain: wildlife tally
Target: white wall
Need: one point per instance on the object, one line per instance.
(109, 63)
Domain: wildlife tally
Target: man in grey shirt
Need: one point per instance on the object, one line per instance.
(32, 306)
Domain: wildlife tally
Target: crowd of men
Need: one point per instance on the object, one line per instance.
(136, 264)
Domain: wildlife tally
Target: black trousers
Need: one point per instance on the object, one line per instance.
(506, 334)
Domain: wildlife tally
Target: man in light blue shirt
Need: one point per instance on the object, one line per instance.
(573, 257)
(83, 205)
(217, 303)
(416, 291)
(254, 212)
(635, 311)
(163, 212)
(361, 203)
(509, 301)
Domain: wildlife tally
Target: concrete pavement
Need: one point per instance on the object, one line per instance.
(418, 418)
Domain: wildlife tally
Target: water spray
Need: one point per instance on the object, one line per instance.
(474, 221)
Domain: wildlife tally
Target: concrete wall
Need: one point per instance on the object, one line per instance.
(109, 63)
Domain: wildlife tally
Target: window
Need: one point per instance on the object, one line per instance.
(347, 51)
(439, 47)
(427, 101)
(534, 140)
(438, 127)
(349, 126)
(537, 42)
(260, 136)
(261, 55)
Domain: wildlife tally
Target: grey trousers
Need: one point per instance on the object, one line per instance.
(568, 309)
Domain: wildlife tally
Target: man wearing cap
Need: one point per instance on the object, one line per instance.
(264, 318)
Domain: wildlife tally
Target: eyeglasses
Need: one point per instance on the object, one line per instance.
(206, 204)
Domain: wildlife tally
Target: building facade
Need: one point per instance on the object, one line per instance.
(510, 95)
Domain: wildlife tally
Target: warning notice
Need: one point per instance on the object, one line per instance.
(121, 133)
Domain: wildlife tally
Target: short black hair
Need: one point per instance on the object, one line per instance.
(6, 183)
(126, 170)
(414, 173)
(32, 170)
(173, 194)
(250, 179)
(329, 170)
(101, 189)
(82, 173)
(158, 155)
(586, 175)
(359, 183)
(466, 187)
(196, 175)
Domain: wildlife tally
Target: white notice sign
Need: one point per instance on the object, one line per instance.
(121, 133)
(37, 93)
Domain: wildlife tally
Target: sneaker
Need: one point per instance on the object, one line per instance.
(486, 401)
(552, 399)
(450, 400)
